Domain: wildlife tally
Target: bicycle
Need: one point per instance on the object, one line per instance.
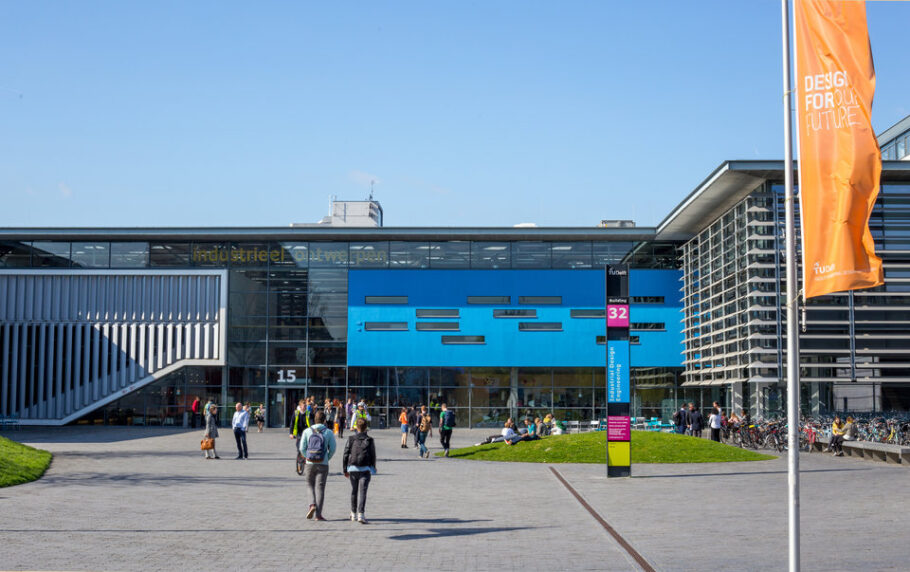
(301, 463)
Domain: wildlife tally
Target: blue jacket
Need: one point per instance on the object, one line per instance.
(327, 435)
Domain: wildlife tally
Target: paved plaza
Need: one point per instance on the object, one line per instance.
(144, 499)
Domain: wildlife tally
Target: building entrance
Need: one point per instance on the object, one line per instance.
(282, 403)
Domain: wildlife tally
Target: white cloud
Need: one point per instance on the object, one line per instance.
(65, 191)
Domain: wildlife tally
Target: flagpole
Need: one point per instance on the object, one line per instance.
(792, 297)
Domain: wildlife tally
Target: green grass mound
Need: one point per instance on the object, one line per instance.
(20, 463)
(647, 447)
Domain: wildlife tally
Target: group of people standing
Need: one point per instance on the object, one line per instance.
(690, 421)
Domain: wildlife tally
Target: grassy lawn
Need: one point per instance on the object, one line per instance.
(647, 447)
(20, 463)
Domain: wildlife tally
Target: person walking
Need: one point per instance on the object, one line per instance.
(260, 417)
(211, 430)
(194, 412)
(446, 424)
(424, 423)
(341, 417)
(360, 413)
(298, 423)
(240, 423)
(205, 409)
(403, 419)
(359, 462)
(318, 446)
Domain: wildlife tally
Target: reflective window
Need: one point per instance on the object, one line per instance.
(540, 327)
(50, 254)
(572, 255)
(385, 326)
(514, 313)
(585, 313)
(467, 340)
(647, 326)
(91, 254)
(369, 254)
(328, 254)
(437, 326)
(489, 299)
(646, 299)
(531, 254)
(438, 313)
(210, 254)
(169, 254)
(610, 252)
(540, 300)
(129, 254)
(291, 254)
(385, 299)
(450, 254)
(409, 254)
(14, 255)
(253, 254)
(491, 255)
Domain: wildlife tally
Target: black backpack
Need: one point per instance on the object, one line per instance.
(676, 416)
(360, 452)
(448, 420)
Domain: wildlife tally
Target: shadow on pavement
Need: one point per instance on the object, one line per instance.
(70, 434)
(430, 520)
(107, 479)
(447, 532)
(746, 473)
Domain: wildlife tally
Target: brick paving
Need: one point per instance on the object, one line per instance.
(144, 499)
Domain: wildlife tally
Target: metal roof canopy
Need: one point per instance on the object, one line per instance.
(730, 183)
(333, 233)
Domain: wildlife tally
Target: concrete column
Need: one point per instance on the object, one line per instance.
(815, 398)
(513, 393)
(736, 396)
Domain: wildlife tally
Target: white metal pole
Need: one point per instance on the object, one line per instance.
(792, 297)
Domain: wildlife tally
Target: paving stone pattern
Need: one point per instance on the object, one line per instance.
(144, 499)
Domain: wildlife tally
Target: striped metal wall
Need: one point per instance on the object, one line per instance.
(73, 341)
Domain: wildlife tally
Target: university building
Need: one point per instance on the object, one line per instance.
(127, 326)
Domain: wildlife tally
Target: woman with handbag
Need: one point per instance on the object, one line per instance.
(211, 432)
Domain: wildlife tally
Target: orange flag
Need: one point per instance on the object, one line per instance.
(839, 159)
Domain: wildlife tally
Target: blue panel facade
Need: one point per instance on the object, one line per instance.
(504, 345)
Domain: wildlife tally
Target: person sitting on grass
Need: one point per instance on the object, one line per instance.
(511, 437)
(529, 424)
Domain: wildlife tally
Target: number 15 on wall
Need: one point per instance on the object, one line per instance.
(617, 316)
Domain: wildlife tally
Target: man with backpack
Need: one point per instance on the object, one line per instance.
(318, 446)
(446, 424)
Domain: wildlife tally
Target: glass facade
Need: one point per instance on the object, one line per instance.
(287, 326)
(851, 344)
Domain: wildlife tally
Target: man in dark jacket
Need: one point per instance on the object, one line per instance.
(695, 421)
(681, 419)
(413, 420)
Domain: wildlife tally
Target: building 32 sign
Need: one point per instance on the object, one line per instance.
(619, 423)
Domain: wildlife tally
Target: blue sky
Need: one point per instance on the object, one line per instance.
(215, 113)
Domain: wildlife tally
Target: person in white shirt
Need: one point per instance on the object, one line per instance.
(715, 424)
(240, 423)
